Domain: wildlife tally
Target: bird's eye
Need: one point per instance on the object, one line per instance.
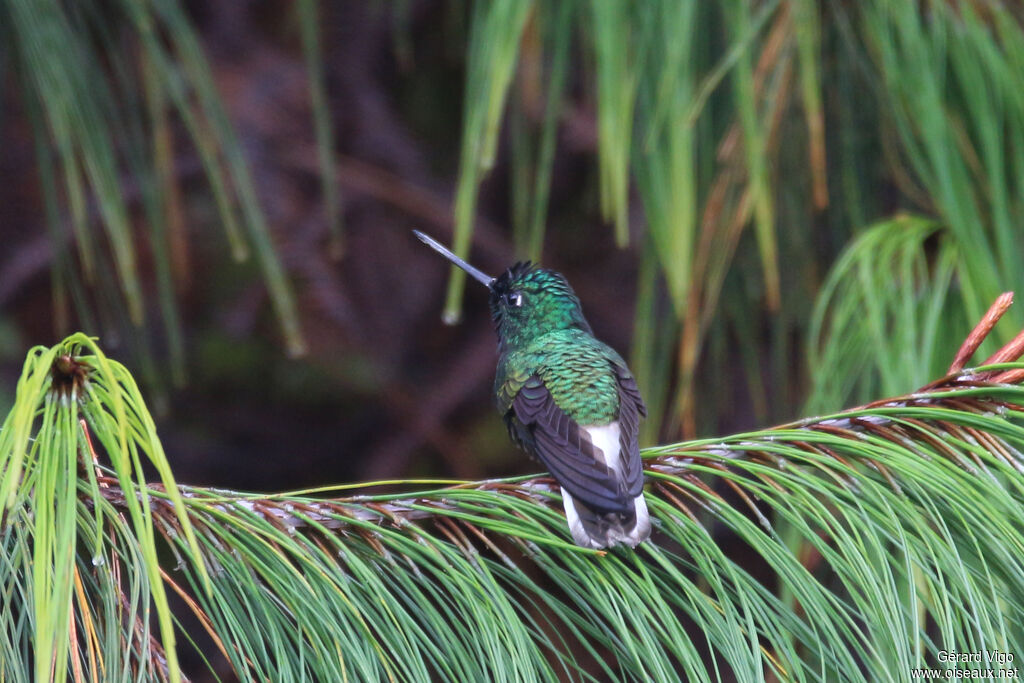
(515, 299)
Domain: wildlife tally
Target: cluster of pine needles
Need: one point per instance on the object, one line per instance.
(850, 546)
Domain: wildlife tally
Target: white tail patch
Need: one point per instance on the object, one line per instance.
(606, 438)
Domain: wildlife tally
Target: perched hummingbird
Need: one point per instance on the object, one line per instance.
(568, 400)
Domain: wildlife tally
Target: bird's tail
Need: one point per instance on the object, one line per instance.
(593, 529)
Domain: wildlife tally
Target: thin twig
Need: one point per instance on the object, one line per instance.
(1011, 352)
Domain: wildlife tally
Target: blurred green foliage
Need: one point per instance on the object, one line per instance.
(99, 82)
(739, 148)
(792, 119)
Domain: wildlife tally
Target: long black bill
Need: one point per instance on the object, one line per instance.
(477, 275)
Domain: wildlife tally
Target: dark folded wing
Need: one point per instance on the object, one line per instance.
(544, 429)
(631, 409)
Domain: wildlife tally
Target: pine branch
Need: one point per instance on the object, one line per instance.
(355, 512)
(888, 532)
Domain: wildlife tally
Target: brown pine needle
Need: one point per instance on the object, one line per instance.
(980, 331)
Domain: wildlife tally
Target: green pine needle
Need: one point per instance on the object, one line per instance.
(851, 546)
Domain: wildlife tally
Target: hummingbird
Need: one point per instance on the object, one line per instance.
(568, 400)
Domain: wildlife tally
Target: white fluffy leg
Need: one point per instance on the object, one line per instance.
(579, 534)
(642, 530)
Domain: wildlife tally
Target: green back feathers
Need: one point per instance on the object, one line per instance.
(578, 373)
(575, 368)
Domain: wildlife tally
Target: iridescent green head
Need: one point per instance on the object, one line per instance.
(526, 301)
